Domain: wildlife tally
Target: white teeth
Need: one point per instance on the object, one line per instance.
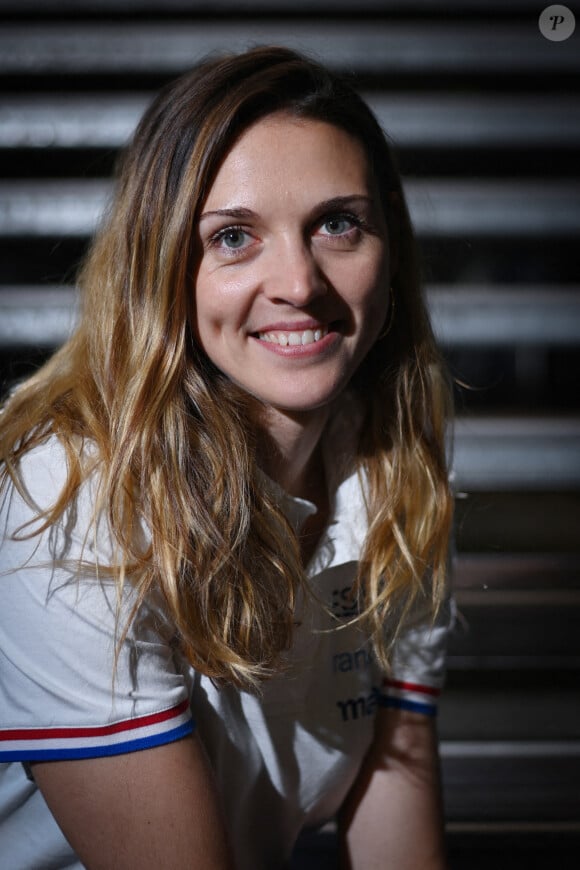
(294, 339)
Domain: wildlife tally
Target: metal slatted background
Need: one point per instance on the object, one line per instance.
(485, 114)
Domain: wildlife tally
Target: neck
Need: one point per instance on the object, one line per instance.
(290, 451)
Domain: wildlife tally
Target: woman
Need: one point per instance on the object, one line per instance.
(225, 504)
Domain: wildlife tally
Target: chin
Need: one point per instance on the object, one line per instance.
(297, 396)
(302, 404)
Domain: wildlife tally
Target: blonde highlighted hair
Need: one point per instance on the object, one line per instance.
(174, 444)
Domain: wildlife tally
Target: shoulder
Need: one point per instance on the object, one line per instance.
(42, 471)
(28, 495)
(64, 656)
(32, 485)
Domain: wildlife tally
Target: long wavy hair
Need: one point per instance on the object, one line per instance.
(174, 446)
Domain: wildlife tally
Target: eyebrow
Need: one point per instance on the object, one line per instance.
(336, 202)
(236, 212)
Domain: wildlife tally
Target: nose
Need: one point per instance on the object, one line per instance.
(295, 276)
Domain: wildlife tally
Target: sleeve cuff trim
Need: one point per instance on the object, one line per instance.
(412, 706)
(404, 686)
(35, 744)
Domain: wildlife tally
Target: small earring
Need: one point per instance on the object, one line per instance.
(391, 315)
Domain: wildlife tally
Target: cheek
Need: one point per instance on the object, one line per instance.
(221, 302)
(210, 305)
(206, 311)
(373, 296)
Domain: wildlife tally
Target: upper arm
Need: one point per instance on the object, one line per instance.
(106, 725)
(405, 746)
(393, 814)
(149, 809)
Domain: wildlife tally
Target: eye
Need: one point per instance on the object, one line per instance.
(232, 238)
(233, 242)
(337, 225)
(343, 227)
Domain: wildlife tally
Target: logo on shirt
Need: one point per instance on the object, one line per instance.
(357, 708)
(343, 603)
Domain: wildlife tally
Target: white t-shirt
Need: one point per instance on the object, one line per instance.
(284, 760)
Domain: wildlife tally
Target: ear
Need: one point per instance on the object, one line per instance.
(394, 229)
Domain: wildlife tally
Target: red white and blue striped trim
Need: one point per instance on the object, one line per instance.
(410, 696)
(130, 735)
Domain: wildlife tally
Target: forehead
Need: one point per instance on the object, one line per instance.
(280, 155)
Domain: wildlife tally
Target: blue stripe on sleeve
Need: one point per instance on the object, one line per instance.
(71, 753)
(413, 706)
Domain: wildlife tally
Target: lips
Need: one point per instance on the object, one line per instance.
(293, 337)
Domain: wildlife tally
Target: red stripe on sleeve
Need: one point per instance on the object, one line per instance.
(97, 731)
(412, 687)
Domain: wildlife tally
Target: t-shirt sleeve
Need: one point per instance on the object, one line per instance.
(418, 662)
(68, 687)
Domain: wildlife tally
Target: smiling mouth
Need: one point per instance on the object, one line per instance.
(293, 338)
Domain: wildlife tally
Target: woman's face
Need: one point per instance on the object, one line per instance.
(292, 286)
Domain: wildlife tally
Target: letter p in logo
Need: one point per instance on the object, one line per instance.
(557, 23)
